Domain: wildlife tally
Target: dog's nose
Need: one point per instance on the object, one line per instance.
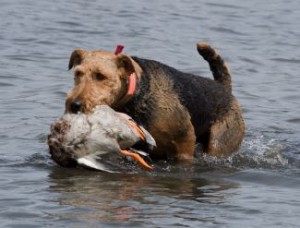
(75, 106)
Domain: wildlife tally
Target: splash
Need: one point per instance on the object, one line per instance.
(256, 152)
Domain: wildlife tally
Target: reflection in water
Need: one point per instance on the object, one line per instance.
(172, 194)
(110, 198)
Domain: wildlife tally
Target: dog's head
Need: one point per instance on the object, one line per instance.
(100, 77)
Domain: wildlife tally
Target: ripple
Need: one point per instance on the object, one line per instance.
(229, 6)
(3, 84)
(20, 58)
(70, 23)
(294, 120)
(296, 61)
(227, 30)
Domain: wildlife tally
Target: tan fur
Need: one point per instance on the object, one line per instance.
(217, 65)
(99, 78)
(227, 135)
(172, 122)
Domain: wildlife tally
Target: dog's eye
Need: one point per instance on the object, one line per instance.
(99, 76)
(78, 74)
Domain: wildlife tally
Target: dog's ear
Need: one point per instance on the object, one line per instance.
(76, 58)
(125, 65)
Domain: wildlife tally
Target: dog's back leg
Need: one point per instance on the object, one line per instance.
(226, 135)
(217, 65)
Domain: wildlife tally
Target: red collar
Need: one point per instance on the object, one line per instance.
(131, 87)
(131, 83)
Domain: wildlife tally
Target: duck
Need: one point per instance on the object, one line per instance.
(83, 139)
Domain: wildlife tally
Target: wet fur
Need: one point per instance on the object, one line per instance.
(178, 109)
(167, 90)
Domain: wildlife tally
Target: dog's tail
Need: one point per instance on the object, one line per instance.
(217, 65)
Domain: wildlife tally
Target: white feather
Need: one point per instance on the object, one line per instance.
(90, 162)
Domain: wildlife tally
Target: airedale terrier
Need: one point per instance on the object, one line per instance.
(178, 109)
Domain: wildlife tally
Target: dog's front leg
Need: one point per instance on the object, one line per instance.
(174, 139)
(185, 145)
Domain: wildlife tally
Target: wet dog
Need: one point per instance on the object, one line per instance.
(179, 109)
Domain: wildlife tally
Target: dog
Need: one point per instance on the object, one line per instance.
(180, 110)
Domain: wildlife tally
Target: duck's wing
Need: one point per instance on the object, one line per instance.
(148, 138)
(143, 134)
(91, 161)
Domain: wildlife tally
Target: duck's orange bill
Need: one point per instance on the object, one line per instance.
(138, 158)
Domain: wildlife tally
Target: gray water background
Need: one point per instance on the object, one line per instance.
(258, 187)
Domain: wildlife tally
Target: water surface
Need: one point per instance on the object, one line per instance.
(258, 187)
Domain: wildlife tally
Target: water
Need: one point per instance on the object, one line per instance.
(259, 187)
